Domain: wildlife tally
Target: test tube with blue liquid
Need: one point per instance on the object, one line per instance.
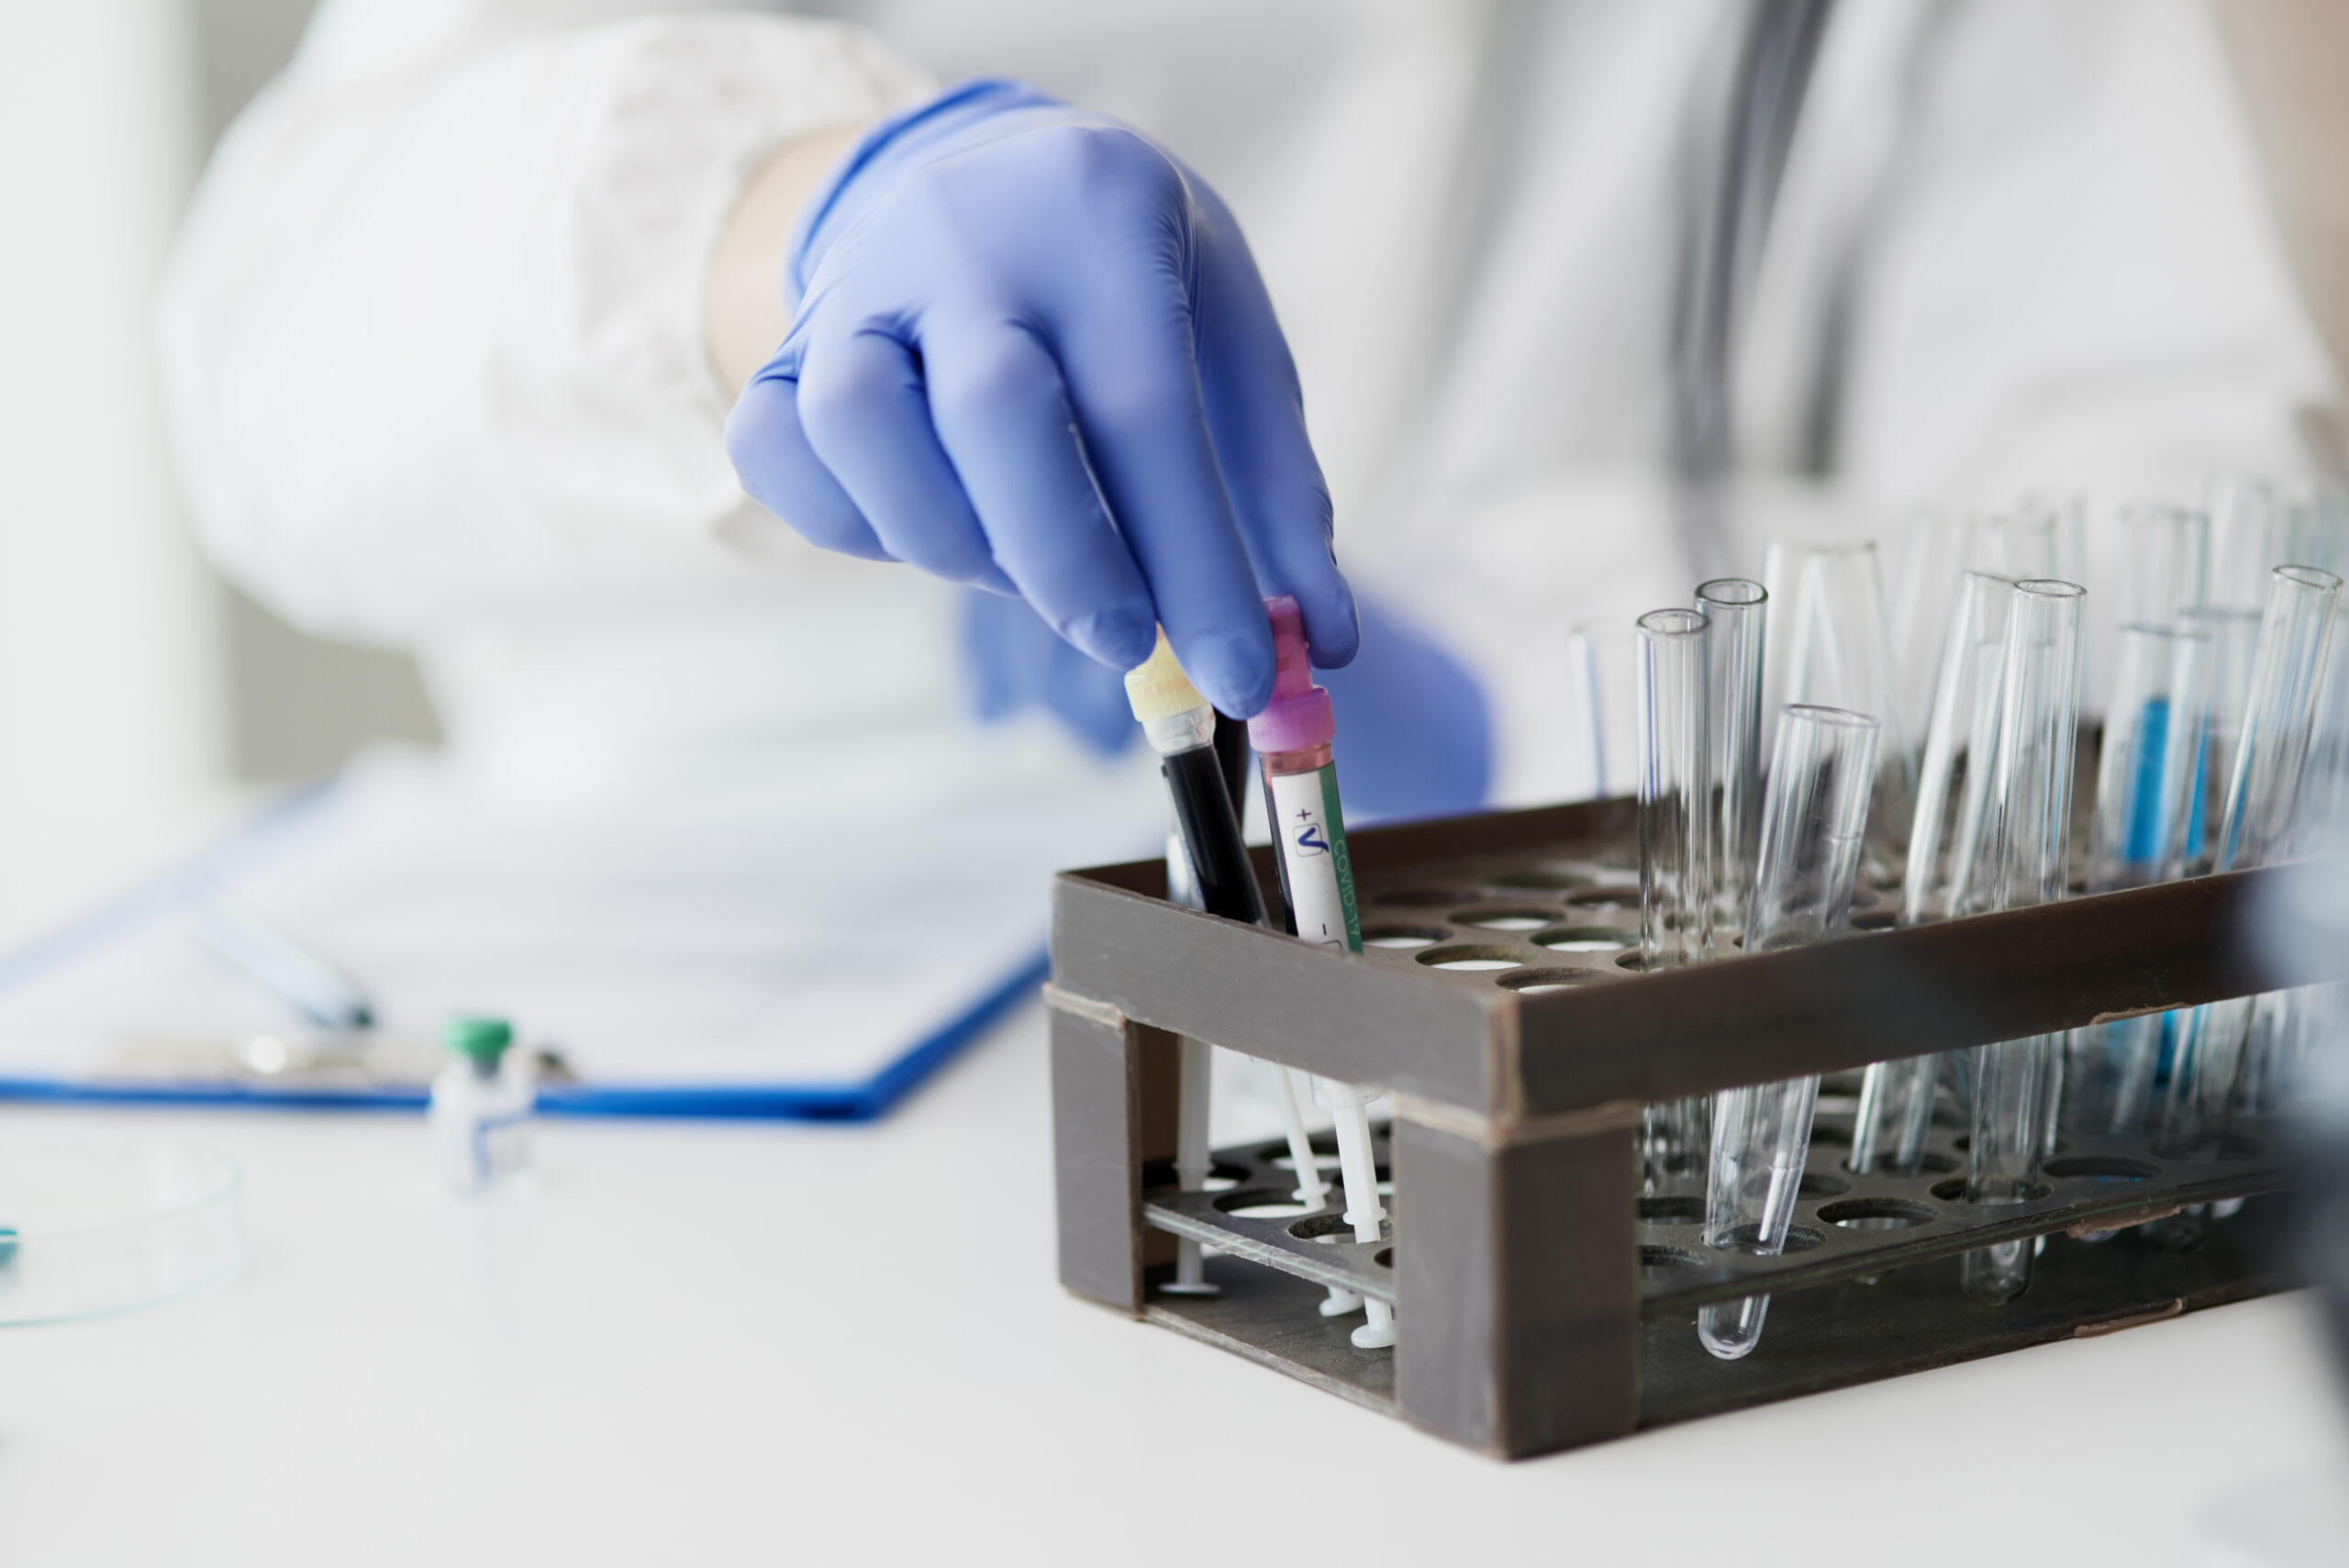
(2259, 826)
(2145, 777)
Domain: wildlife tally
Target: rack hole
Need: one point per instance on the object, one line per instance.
(1747, 1239)
(1879, 1214)
(1673, 1210)
(1404, 935)
(1547, 881)
(1471, 958)
(1326, 1228)
(1504, 918)
(1384, 1257)
(1423, 898)
(1929, 1163)
(1663, 1260)
(1822, 1187)
(1606, 898)
(2101, 1168)
(1954, 1191)
(1261, 1203)
(1875, 920)
(1584, 938)
(1533, 981)
(1220, 1178)
(2232, 1146)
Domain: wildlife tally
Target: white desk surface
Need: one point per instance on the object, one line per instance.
(731, 1343)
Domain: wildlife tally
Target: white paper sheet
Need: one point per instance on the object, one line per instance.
(776, 924)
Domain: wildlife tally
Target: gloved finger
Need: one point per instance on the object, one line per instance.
(1256, 413)
(1135, 386)
(862, 405)
(1002, 413)
(782, 473)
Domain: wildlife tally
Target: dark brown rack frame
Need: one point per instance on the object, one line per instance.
(1529, 1322)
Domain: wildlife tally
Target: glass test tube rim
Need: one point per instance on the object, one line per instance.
(2315, 577)
(2050, 588)
(1706, 595)
(1681, 615)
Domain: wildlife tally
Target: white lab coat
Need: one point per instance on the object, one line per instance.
(432, 340)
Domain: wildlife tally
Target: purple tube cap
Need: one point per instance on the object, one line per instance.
(1299, 717)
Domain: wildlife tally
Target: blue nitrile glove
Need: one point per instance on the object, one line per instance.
(1415, 734)
(1013, 311)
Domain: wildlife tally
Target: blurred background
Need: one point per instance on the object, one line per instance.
(144, 701)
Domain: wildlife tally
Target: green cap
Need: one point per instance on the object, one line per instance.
(480, 1039)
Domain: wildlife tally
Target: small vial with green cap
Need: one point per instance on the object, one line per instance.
(481, 1108)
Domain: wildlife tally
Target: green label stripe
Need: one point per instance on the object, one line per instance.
(1334, 819)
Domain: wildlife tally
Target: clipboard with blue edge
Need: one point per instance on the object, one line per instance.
(717, 948)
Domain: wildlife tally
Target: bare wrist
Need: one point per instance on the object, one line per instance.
(744, 316)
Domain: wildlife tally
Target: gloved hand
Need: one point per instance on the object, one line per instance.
(1033, 354)
(1415, 733)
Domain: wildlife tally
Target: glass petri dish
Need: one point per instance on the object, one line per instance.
(86, 1231)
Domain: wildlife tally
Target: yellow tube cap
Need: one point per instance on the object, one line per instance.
(1157, 688)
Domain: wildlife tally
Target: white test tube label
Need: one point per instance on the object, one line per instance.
(1313, 851)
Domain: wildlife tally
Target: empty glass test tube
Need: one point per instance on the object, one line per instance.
(1675, 789)
(2165, 563)
(2021, 542)
(2246, 537)
(1833, 647)
(2233, 635)
(2279, 716)
(1736, 608)
(1602, 712)
(2026, 849)
(1934, 556)
(1896, 1107)
(1823, 769)
(1675, 842)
